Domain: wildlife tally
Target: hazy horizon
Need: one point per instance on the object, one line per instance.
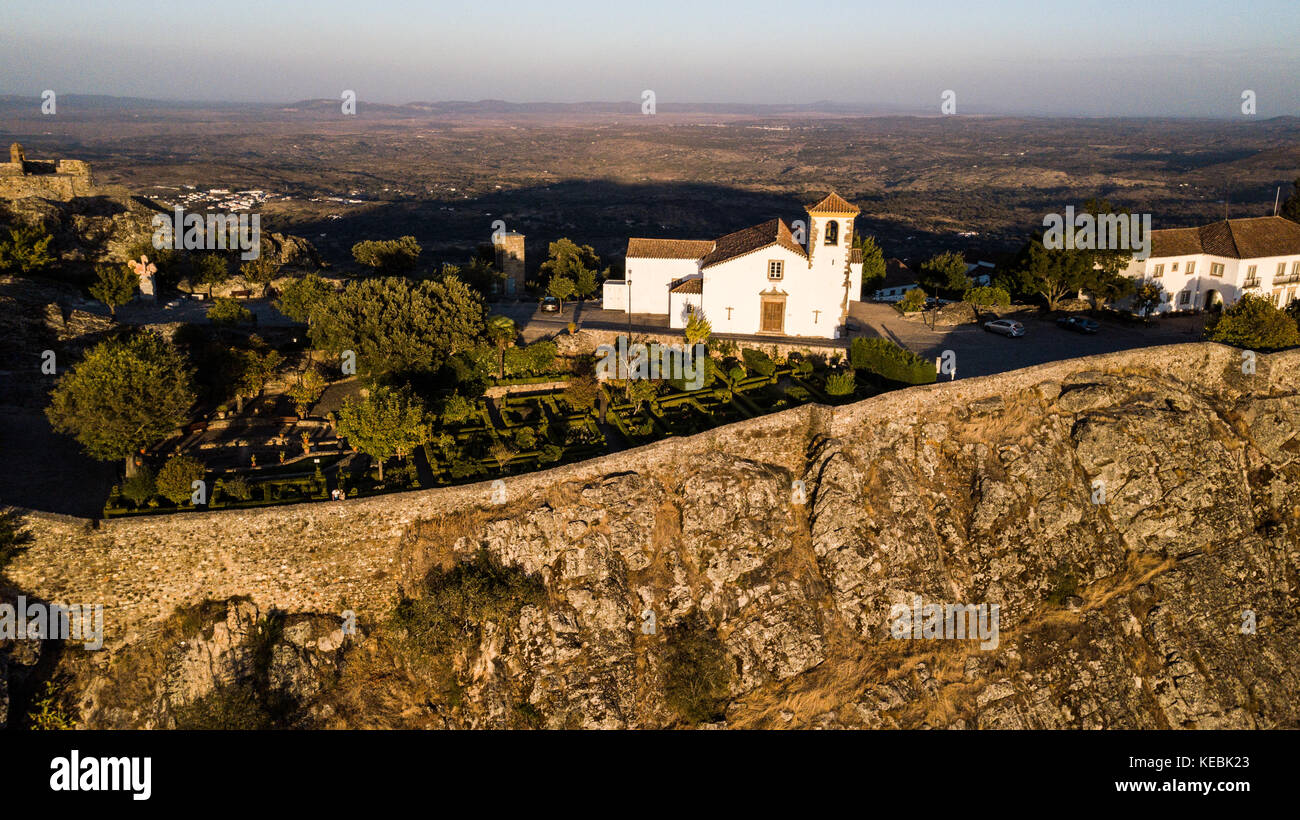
(1164, 59)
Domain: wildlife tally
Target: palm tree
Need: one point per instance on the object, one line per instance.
(501, 331)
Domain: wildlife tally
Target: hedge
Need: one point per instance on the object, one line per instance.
(888, 360)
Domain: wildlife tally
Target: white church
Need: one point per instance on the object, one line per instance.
(760, 280)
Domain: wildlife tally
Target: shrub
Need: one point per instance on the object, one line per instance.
(550, 454)
(986, 296)
(840, 384)
(697, 674)
(886, 359)
(228, 312)
(235, 487)
(176, 478)
(525, 438)
(758, 362)
(13, 538)
(912, 301)
(140, 487)
(456, 409)
(736, 374)
(1254, 322)
(446, 623)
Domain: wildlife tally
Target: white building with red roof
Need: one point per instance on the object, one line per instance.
(1217, 263)
(759, 280)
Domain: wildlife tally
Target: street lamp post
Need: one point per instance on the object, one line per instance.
(627, 277)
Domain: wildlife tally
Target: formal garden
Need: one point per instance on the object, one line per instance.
(396, 379)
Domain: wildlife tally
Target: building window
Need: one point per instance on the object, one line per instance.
(775, 269)
(1158, 271)
(1191, 268)
(1185, 298)
(1216, 268)
(1281, 269)
(1295, 268)
(1174, 267)
(832, 233)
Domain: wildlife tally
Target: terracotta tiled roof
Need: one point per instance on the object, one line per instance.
(855, 256)
(668, 248)
(1176, 242)
(771, 232)
(834, 204)
(1249, 238)
(692, 285)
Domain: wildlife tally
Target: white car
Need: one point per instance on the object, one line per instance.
(1005, 327)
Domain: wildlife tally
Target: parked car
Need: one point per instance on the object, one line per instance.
(1005, 327)
(1079, 324)
(550, 305)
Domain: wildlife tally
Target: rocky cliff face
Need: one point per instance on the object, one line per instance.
(1133, 517)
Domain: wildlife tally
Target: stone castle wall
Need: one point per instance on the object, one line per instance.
(330, 556)
(62, 180)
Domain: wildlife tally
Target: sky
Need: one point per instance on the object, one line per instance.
(1044, 57)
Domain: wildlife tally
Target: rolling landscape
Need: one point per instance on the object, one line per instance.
(551, 403)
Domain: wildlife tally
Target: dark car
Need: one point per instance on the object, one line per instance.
(551, 305)
(1005, 327)
(1079, 324)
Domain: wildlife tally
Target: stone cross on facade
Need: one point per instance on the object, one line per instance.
(145, 270)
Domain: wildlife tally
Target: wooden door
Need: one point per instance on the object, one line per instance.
(773, 317)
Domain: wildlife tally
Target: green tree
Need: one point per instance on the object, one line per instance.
(562, 288)
(582, 392)
(1056, 274)
(211, 269)
(584, 284)
(873, 263)
(501, 332)
(26, 250)
(912, 301)
(176, 479)
(225, 311)
(698, 329)
(944, 272)
(14, 537)
(987, 297)
(389, 422)
(1291, 207)
(1254, 322)
(567, 259)
(260, 271)
(255, 368)
(387, 256)
(481, 275)
(114, 285)
(306, 391)
(303, 296)
(397, 326)
(1147, 296)
(125, 395)
(640, 392)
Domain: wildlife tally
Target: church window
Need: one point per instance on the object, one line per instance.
(775, 269)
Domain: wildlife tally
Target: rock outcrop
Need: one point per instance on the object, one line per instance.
(1132, 517)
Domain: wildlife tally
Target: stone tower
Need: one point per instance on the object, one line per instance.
(510, 260)
(16, 154)
(830, 234)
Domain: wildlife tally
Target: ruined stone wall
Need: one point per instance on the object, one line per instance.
(330, 556)
(71, 180)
